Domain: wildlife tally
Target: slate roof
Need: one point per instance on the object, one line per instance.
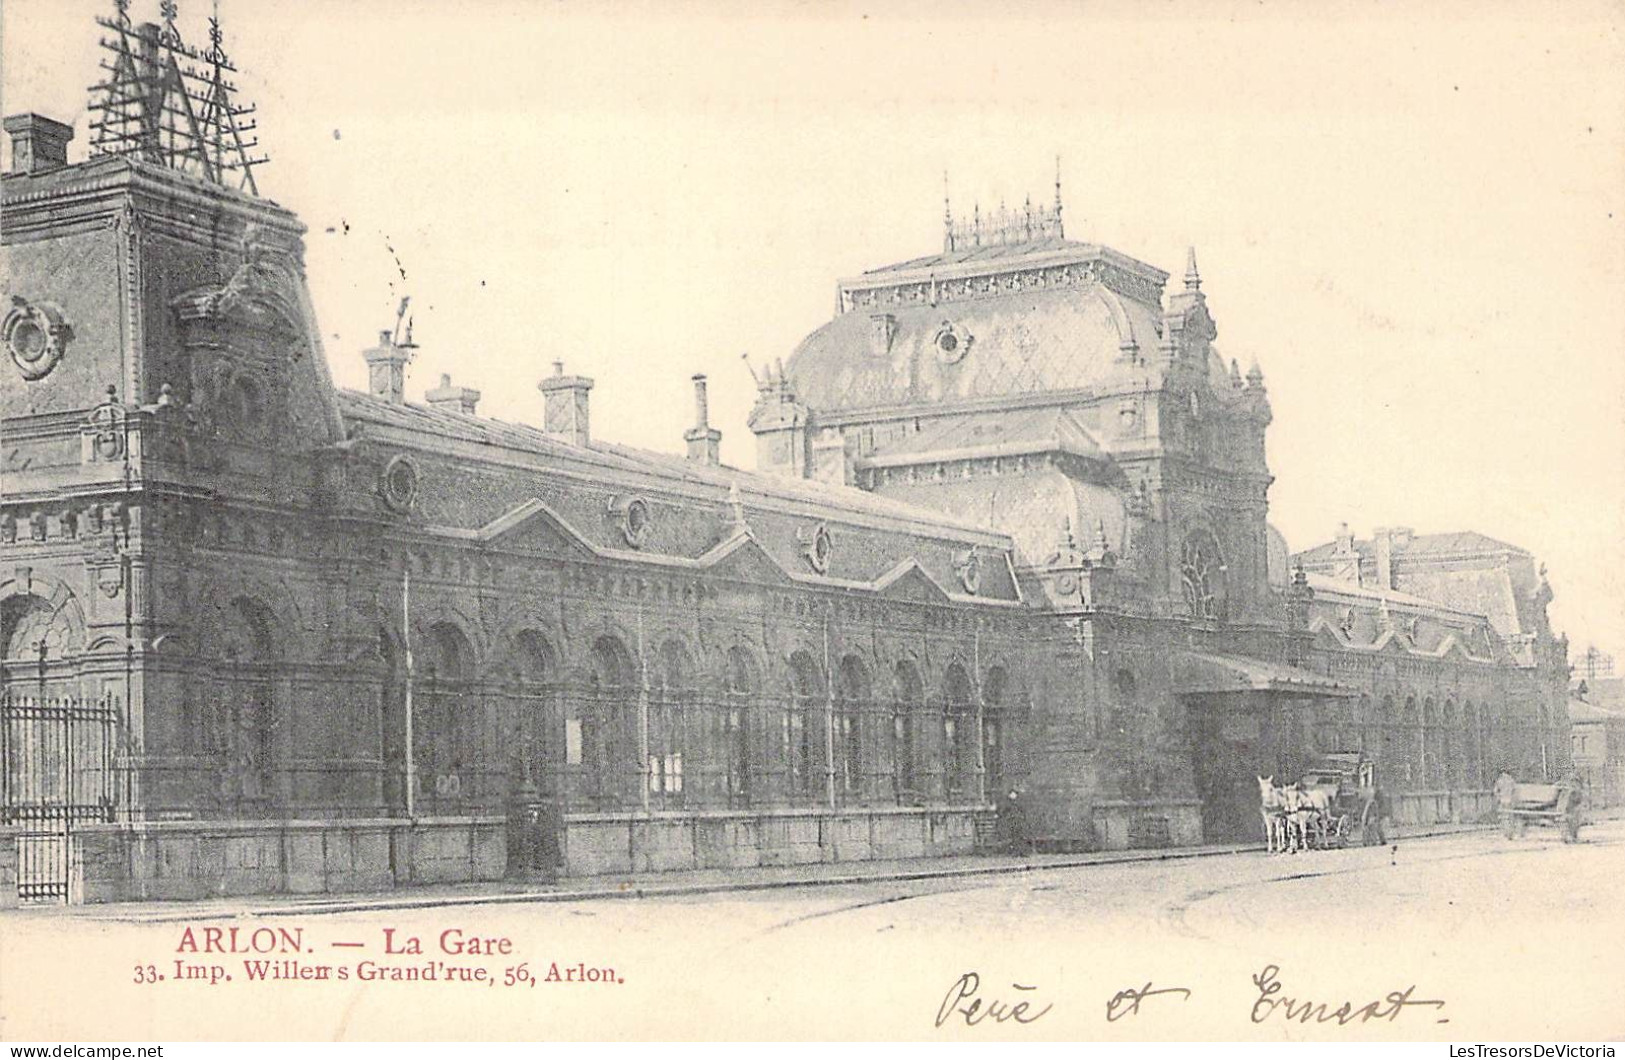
(1323, 584)
(1469, 541)
(361, 408)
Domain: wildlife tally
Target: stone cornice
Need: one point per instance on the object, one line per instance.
(94, 189)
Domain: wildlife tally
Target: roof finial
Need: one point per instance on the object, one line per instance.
(947, 216)
(1193, 279)
(1060, 225)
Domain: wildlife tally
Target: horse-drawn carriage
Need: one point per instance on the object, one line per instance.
(1335, 803)
(1560, 805)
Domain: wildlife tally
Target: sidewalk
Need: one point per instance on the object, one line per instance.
(668, 884)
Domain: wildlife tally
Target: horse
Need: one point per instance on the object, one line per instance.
(1306, 808)
(1273, 808)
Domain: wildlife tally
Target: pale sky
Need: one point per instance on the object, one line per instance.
(1409, 214)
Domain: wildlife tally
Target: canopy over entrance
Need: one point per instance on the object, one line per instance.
(1198, 673)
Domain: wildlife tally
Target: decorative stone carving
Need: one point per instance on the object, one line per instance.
(817, 546)
(632, 519)
(968, 565)
(952, 342)
(103, 435)
(110, 580)
(35, 335)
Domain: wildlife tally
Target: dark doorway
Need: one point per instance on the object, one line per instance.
(1227, 762)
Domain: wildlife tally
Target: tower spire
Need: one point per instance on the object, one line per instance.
(1193, 279)
(1060, 224)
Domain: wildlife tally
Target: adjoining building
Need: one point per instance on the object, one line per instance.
(1007, 535)
(1597, 722)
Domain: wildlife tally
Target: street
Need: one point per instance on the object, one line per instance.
(1469, 938)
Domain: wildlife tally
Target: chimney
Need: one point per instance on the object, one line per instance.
(1384, 541)
(565, 413)
(452, 398)
(704, 441)
(386, 369)
(38, 144)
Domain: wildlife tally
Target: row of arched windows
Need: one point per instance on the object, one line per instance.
(1427, 743)
(738, 737)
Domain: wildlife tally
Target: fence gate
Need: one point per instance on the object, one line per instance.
(59, 769)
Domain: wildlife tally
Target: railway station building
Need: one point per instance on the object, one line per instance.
(1006, 542)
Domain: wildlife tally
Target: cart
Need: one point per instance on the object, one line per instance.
(1560, 805)
(1355, 805)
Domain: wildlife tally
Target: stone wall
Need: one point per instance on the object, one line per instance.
(193, 860)
(611, 844)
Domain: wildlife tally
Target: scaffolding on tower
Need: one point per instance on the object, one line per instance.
(167, 103)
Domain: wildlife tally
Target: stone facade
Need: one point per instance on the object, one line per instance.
(1009, 536)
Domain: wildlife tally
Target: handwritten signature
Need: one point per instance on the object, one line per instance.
(964, 1000)
(1127, 1002)
(961, 1000)
(1298, 1010)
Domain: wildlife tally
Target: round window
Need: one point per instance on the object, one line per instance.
(952, 343)
(34, 336)
(819, 549)
(635, 521)
(27, 341)
(398, 485)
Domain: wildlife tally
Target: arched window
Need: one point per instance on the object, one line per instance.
(1202, 577)
(604, 744)
(1432, 778)
(533, 659)
(668, 721)
(35, 640)
(740, 686)
(1392, 741)
(242, 731)
(798, 739)
(994, 730)
(907, 703)
(1472, 747)
(851, 704)
(1450, 745)
(1410, 753)
(445, 716)
(532, 749)
(959, 733)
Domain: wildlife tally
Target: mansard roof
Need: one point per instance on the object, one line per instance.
(1012, 433)
(1000, 343)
